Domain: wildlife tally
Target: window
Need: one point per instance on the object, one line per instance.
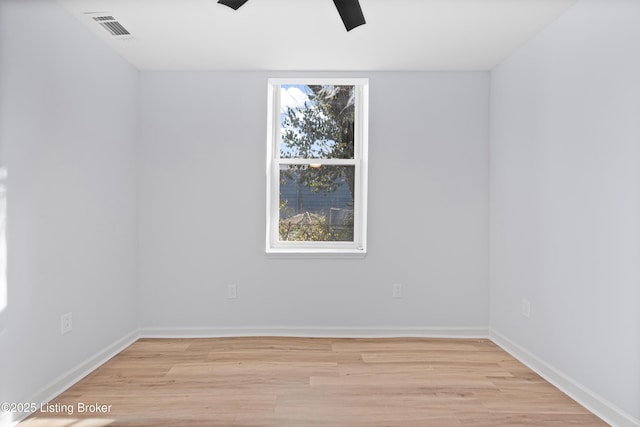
(317, 167)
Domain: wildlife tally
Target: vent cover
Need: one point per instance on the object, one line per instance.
(104, 18)
(110, 24)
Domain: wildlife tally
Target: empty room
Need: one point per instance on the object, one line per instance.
(320, 213)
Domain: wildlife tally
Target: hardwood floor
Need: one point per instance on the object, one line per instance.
(314, 382)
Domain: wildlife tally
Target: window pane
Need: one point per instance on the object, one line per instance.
(317, 121)
(316, 203)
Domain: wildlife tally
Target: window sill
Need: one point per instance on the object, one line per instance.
(316, 253)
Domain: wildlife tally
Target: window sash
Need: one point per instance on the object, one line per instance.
(276, 242)
(328, 162)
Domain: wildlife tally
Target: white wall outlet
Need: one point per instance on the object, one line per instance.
(397, 290)
(66, 323)
(526, 308)
(232, 292)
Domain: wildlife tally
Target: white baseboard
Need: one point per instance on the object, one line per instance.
(608, 412)
(316, 332)
(63, 382)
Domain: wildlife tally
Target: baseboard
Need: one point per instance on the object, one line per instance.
(608, 412)
(68, 379)
(316, 332)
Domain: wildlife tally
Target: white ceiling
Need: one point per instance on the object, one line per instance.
(308, 35)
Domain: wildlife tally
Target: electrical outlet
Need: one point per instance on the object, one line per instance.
(232, 292)
(397, 290)
(66, 323)
(526, 308)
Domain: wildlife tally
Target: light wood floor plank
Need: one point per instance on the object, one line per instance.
(266, 381)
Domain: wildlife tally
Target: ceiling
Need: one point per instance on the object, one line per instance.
(308, 35)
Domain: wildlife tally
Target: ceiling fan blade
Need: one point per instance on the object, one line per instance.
(350, 13)
(233, 4)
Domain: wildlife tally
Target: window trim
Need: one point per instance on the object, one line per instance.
(355, 249)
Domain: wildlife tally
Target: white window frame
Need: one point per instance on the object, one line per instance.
(357, 248)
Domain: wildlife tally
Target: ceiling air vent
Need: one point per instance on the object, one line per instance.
(110, 24)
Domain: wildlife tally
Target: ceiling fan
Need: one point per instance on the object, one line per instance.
(349, 11)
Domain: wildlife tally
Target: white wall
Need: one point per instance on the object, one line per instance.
(565, 198)
(202, 208)
(68, 109)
